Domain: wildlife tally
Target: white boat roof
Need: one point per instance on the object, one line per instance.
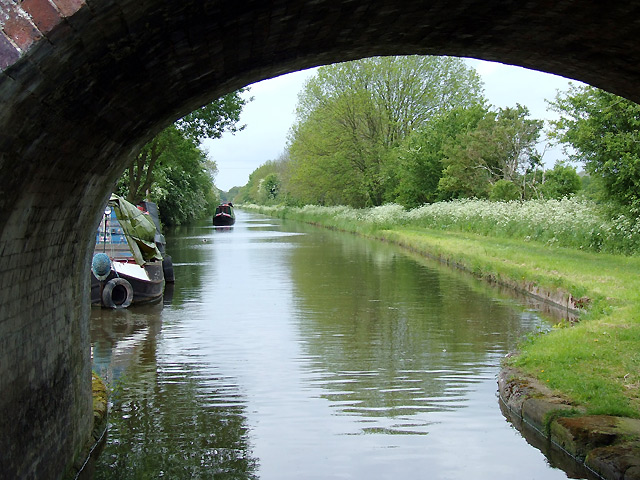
(131, 269)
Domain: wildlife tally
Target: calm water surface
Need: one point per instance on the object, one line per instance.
(288, 352)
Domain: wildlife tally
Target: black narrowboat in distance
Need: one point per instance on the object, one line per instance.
(224, 215)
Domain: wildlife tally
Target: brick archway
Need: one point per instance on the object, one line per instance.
(84, 83)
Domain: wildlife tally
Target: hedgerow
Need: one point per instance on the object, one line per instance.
(573, 223)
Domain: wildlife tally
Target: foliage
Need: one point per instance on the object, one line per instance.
(215, 118)
(407, 130)
(593, 189)
(182, 180)
(351, 116)
(320, 169)
(566, 222)
(172, 171)
(417, 164)
(230, 196)
(603, 130)
(136, 182)
(561, 181)
(501, 147)
(264, 185)
(270, 187)
(504, 190)
(184, 192)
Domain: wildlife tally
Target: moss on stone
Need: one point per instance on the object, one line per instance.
(607, 444)
(100, 405)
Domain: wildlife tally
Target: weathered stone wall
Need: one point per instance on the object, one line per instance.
(84, 83)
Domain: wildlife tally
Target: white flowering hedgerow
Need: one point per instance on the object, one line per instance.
(567, 222)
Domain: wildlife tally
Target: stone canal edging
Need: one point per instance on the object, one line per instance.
(83, 468)
(608, 446)
(100, 407)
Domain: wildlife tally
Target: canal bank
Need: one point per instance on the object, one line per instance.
(589, 370)
(83, 464)
(607, 445)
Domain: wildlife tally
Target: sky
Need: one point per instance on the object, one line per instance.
(271, 114)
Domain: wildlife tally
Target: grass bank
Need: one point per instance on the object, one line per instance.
(594, 362)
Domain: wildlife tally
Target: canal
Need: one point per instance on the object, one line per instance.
(285, 351)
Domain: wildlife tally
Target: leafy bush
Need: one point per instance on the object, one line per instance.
(504, 190)
(562, 181)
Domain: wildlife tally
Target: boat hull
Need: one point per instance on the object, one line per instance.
(223, 220)
(144, 290)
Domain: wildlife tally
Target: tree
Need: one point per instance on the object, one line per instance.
(351, 115)
(270, 187)
(215, 118)
(182, 180)
(264, 184)
(327, 164)
(209, 121)
(561, 181)
(418, 161)
(603, 130)
(136, 182)
(501, 147)
(504, 191)
(231, 195)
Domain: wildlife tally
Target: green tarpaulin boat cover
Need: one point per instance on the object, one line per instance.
(138, 229)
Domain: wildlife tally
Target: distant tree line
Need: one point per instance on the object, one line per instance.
(410, 130)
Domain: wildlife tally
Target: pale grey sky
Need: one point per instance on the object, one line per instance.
(272, 112)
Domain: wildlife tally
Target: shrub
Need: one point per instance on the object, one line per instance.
(504, 190)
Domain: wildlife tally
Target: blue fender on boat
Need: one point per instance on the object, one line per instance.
(101, 266)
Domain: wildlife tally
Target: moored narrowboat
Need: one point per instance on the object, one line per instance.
(128, 266)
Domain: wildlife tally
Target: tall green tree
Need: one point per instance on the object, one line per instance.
(603, 130)
(264, 184)
(501, 147)
(418, 161)
(561, 181)
(182, 183)
(173, 171)
(230, 196)
(328, 163)
(351, 115)
(215, 118)
(270, 187)
(209, 121)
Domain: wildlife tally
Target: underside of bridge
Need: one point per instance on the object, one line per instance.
(85, 83)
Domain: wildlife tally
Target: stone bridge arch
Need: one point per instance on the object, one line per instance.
(84, 83)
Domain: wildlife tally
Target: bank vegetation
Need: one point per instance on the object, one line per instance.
(174, 171)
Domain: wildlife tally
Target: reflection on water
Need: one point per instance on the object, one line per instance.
(285, 351)
(164, 421)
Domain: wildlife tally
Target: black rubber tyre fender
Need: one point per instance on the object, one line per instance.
(117, 293)
(167, 269)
